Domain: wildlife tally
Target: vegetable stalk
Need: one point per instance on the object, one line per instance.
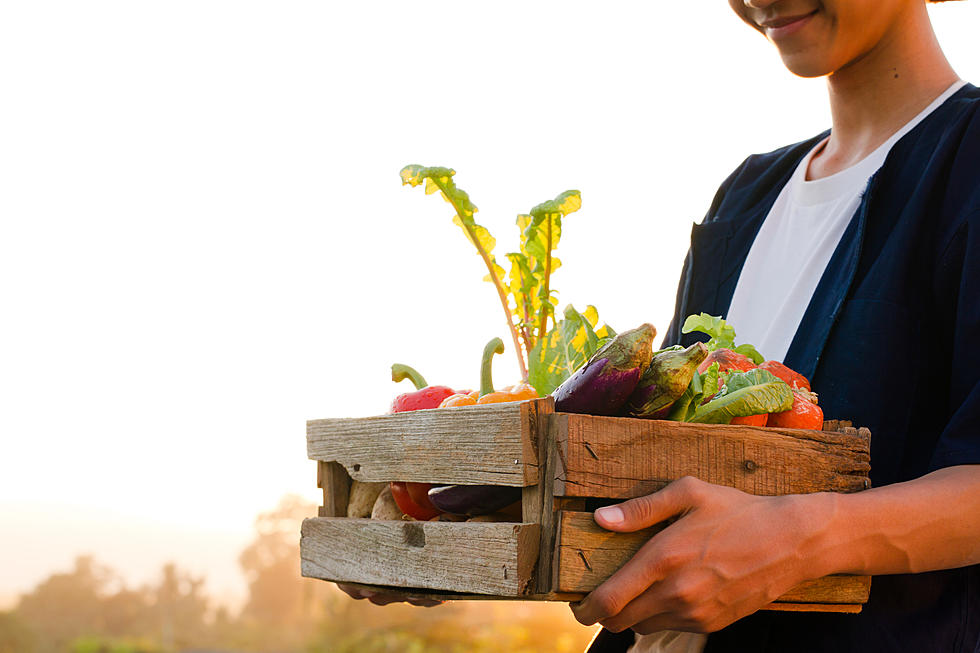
(495, 346)
(401, 372)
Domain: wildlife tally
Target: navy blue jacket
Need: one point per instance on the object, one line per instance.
(891, 341)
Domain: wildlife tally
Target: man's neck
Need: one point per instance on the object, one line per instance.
(873, 97)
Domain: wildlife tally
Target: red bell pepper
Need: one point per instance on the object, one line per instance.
(413, 498)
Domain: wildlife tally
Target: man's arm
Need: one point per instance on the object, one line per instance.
(731, 553)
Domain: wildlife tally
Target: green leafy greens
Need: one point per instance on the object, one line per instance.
(722, 335)
(745, 393)
(546, 357)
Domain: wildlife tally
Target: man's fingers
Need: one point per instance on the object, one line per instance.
(651, 509)
(631, 580)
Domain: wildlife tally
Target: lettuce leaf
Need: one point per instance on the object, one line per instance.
(722, 335)
(746, 393)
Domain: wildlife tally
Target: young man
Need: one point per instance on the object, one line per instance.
(855, 258)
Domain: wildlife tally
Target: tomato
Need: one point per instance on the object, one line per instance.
(792, 379)
(399, 491)
(727, 360)
(751, 420)
(805, 413)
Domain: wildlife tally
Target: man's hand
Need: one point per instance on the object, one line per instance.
(384, 598)
(728, 554)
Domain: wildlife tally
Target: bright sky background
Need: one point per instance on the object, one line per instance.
(204, 241)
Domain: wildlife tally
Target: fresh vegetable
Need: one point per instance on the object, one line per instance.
(604, 384)
(751, 420)
(425, 395)
(362, 497)
(546, 357)
(744, 394)
(385, 506)
(703, 387)
(419, 493)
(665, 380)
(402, 497)
(792, 378)
(492, 517)
(805, 413)
(566, 348)
(473, 499)
(456, 400)
(728, 360)
(722, 335)
(487, 395)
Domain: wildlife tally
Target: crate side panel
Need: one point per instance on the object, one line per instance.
(475, 445)
(477, 558)
(624, 458)
(587, 555)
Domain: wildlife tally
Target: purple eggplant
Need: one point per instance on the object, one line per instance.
(665, 380)
(473, 499)
(604, 384)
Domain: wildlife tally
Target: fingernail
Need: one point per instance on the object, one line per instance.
(611, 514)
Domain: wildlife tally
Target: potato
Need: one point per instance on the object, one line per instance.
(362, 498)
(492, 517)
(385, 506)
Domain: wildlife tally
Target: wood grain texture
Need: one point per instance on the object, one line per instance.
(618, 458)
(548, 428)
(465, 557)
(473, 445)
(587, 555)
(335, 482)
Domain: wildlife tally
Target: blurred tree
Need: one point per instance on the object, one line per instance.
(67, 605)
(15, 635)
(179, 609)
(282, 607)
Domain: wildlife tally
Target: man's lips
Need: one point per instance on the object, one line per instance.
(785, 25)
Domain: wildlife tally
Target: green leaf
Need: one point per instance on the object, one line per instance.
(722, 334)
(702, 386)
(752, 353)
(437, 179)
(565, 348)
(746, 393)
(540, 232)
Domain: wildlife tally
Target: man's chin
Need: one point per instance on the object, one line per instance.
(802, 66)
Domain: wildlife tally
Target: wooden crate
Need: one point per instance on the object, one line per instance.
(556, 552)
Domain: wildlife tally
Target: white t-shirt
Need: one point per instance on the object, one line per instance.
(796, 242)
(783, 268)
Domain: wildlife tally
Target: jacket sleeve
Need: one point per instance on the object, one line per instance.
(959, 442)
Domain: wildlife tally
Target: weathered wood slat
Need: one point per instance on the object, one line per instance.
(477, 558)
(475, 445)
(587, 555)
(616, 458)
(335, 482)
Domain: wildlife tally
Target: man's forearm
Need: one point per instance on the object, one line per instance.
(930, 523)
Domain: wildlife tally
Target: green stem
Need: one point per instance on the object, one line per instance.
(546, 303)
(401, 372)
(495, 346)
(496, 282)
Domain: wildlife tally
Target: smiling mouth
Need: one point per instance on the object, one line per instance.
(785, 21)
